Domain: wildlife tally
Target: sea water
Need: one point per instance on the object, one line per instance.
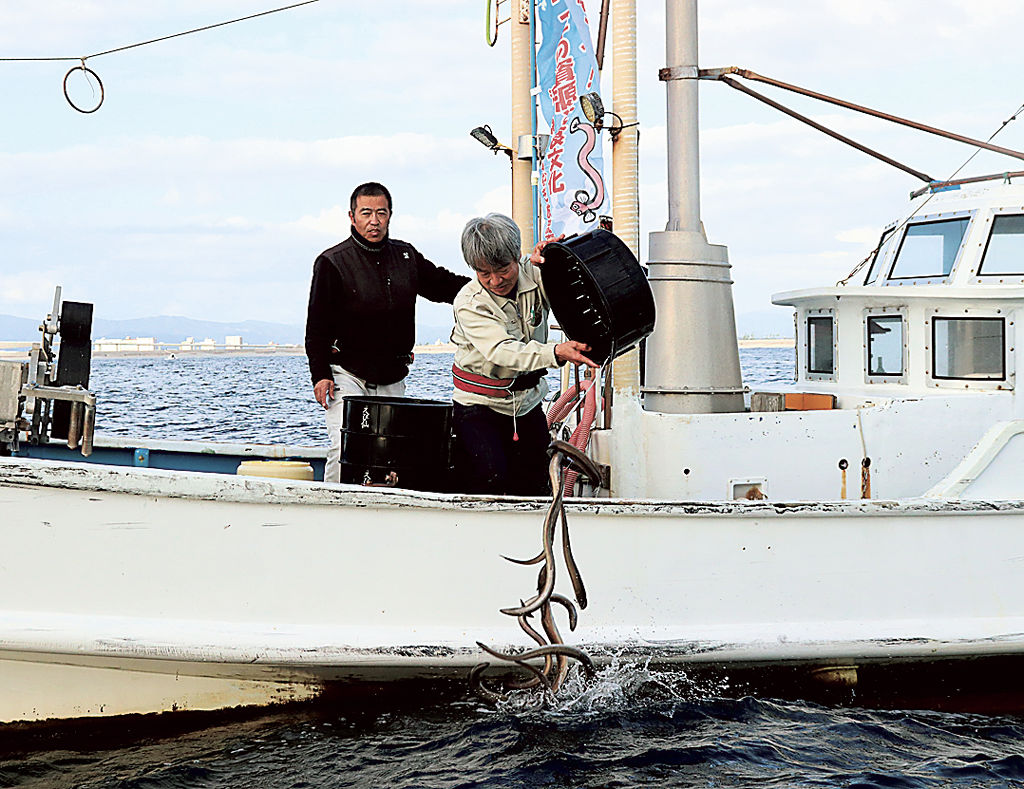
(269, 399)
(633, 726)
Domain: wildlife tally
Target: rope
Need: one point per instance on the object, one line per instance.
(586, 389)
(581, 437)
(567, 401)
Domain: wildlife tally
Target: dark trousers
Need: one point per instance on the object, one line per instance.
(488, 460)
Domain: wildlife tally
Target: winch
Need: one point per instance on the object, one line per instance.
(46, 397)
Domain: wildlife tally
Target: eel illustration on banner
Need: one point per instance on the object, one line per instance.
(572, 187)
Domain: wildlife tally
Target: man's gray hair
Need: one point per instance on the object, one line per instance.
(491, 241)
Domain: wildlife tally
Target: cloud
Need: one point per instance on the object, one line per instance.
(332, 221)
(30, 287)
(222, 162)
(859, 235)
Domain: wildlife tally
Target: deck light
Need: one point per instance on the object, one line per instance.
(485, 136)
(594, 111)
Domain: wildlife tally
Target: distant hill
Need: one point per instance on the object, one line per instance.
(19, 329)
(171, 328)
(165, 328)
(168, 328)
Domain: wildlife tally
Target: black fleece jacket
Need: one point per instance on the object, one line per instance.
(362, 307)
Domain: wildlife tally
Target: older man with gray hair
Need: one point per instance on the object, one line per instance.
(501, 356)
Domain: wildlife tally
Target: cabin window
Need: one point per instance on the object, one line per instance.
(820, 345)
(881, 254)
(885, 345)
(968, 348)
(1005, 251)
(929, 249)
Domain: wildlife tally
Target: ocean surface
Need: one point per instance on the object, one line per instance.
(269, 399)
(631, 727)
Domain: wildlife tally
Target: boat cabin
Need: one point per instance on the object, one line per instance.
(904, 382)
(932, 308)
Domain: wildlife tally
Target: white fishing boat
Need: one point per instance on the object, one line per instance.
(870, 514)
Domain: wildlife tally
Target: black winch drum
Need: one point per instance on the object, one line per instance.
(405, 436)
(598, 292)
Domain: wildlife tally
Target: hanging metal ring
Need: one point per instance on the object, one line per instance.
(87, 71)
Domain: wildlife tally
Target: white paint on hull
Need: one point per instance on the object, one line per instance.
(291, 584)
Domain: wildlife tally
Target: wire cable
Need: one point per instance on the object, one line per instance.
(165, 38)
(87, 72)
(1005, 123)
(916, 211)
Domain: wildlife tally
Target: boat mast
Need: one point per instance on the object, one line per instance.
(625, 165)
(692, 363)
(522, 119)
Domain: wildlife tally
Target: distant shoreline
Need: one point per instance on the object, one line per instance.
(767, 342)
(9, 353)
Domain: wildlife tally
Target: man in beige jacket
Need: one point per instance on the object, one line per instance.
(501, 356)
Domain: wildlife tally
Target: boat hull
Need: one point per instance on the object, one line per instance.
(216, 591)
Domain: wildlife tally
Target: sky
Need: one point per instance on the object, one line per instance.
(220, 163)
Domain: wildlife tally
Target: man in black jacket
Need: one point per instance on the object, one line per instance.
(361, 323)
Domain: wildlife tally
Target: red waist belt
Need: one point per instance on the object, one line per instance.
(481, 384)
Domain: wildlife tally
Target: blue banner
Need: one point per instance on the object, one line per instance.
(571, 184)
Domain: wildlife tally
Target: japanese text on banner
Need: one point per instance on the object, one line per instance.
(571, 182)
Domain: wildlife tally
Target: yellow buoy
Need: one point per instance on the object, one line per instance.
(283, 469)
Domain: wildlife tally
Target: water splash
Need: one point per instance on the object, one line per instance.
(624, 684)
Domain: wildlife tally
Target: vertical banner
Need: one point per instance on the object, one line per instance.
(571, 184)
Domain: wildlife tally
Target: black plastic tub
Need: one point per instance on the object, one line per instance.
(402, 442)
(598, 292)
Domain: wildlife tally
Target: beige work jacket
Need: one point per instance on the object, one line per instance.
(501, 337)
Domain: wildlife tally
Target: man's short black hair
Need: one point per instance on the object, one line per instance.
(369, 189)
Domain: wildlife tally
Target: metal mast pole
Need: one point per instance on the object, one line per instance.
(522, 119)
(692, 363)
(682, 119)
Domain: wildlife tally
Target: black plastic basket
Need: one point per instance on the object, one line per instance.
(598, 292)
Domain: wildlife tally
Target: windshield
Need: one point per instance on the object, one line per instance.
(929, 249)
(881, 254)
(1005, 251)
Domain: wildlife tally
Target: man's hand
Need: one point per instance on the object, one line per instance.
(536, 257)
(323, 391)
(572, 351)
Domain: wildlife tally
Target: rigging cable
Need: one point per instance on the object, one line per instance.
(88, 71)
(886, 236)
(721, 74)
